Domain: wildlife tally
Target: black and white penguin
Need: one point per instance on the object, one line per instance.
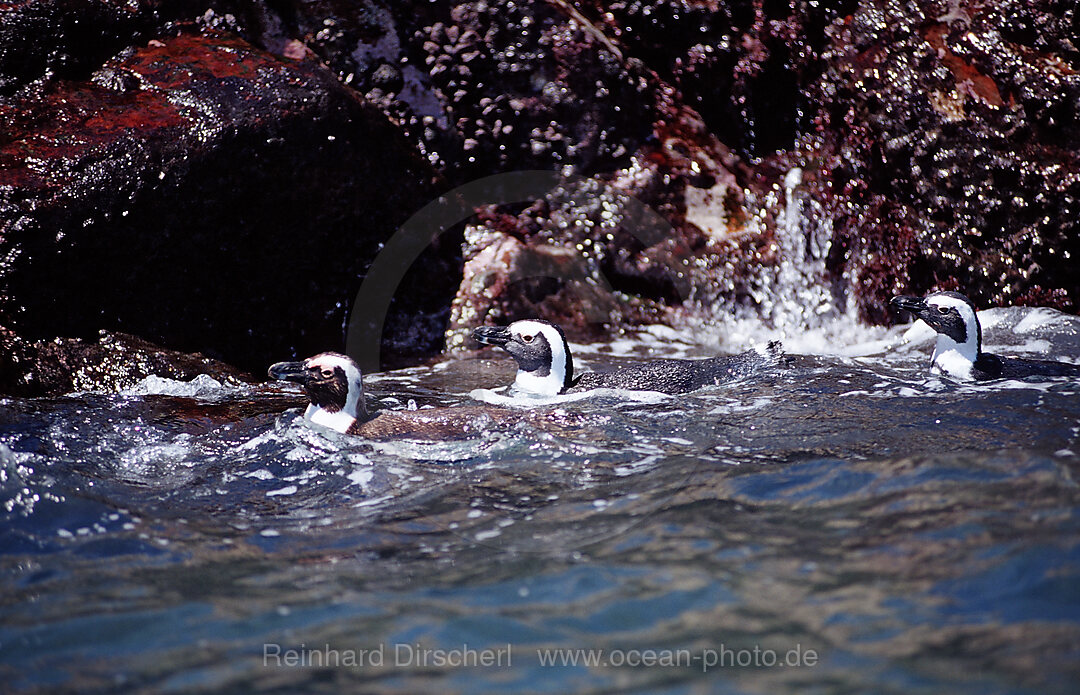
(958, 352)
(333, 383)
(546, 367)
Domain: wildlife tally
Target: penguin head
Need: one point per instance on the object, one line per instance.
(540, 349)
(953, 316)
(332, 382)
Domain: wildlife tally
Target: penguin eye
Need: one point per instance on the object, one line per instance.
(527, 338)
(327, 373)
(943, 310)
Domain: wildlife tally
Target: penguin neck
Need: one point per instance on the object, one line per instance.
(550, 385)
(340, 419)
(562, 365)
(955, 359)
(559, 373)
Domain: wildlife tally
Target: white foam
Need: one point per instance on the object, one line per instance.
(1037, 318)
(415, 450)
(153, 457)
(933, 387)
(299, 453)
(919, 332)
(838, 336)
(864, 349)
(637, 466)
(358, 459)
(519, 399)
(1046, 384)
(154, 385)
(664, 333)
(360, 476)
(1041, 347)
(740, 407)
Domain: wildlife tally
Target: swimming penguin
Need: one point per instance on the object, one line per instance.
(334, 385)
(958, 352)
(545, 366)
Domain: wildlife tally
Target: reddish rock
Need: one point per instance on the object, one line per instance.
(950, 151)
(205, 194)
(802, 154)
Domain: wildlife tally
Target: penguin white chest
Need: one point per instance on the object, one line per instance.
(339, 421)
(954, 363)
(549, 385)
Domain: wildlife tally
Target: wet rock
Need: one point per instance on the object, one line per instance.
(532, 85)
(805, 157)
(507, 277)
(713, 76)
(70, 39)
(205, 194)
(950, 151)
(114, 362)
(742, 66)
(589, 256)
(61, 37)
(487, 87)
(935, 139)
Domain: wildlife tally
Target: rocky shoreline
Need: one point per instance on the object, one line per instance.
(216, 177)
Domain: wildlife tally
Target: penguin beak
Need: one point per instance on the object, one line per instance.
(288, 371)
(914, 305)
(491, 335)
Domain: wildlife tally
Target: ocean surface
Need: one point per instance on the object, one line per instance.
(846, 524)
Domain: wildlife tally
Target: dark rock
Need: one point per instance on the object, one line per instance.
(64, 38)
(528, 86)
(487, 87)
(114, 362)
(803, 155)
(743, 66)
(949, 151)
(204, 194)
(70, 39)
(938, 140)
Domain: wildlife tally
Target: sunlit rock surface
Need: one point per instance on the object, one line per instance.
(809, 160)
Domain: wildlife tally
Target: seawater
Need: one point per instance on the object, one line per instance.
(848, 523)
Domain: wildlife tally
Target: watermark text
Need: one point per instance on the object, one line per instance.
(416, 655)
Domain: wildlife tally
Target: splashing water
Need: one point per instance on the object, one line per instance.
(792, 296)
(903, 528)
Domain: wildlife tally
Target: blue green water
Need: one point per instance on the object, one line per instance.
(912, 534)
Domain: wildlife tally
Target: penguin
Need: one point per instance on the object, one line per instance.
(546, 367)
(334, 386)
(958, 352)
